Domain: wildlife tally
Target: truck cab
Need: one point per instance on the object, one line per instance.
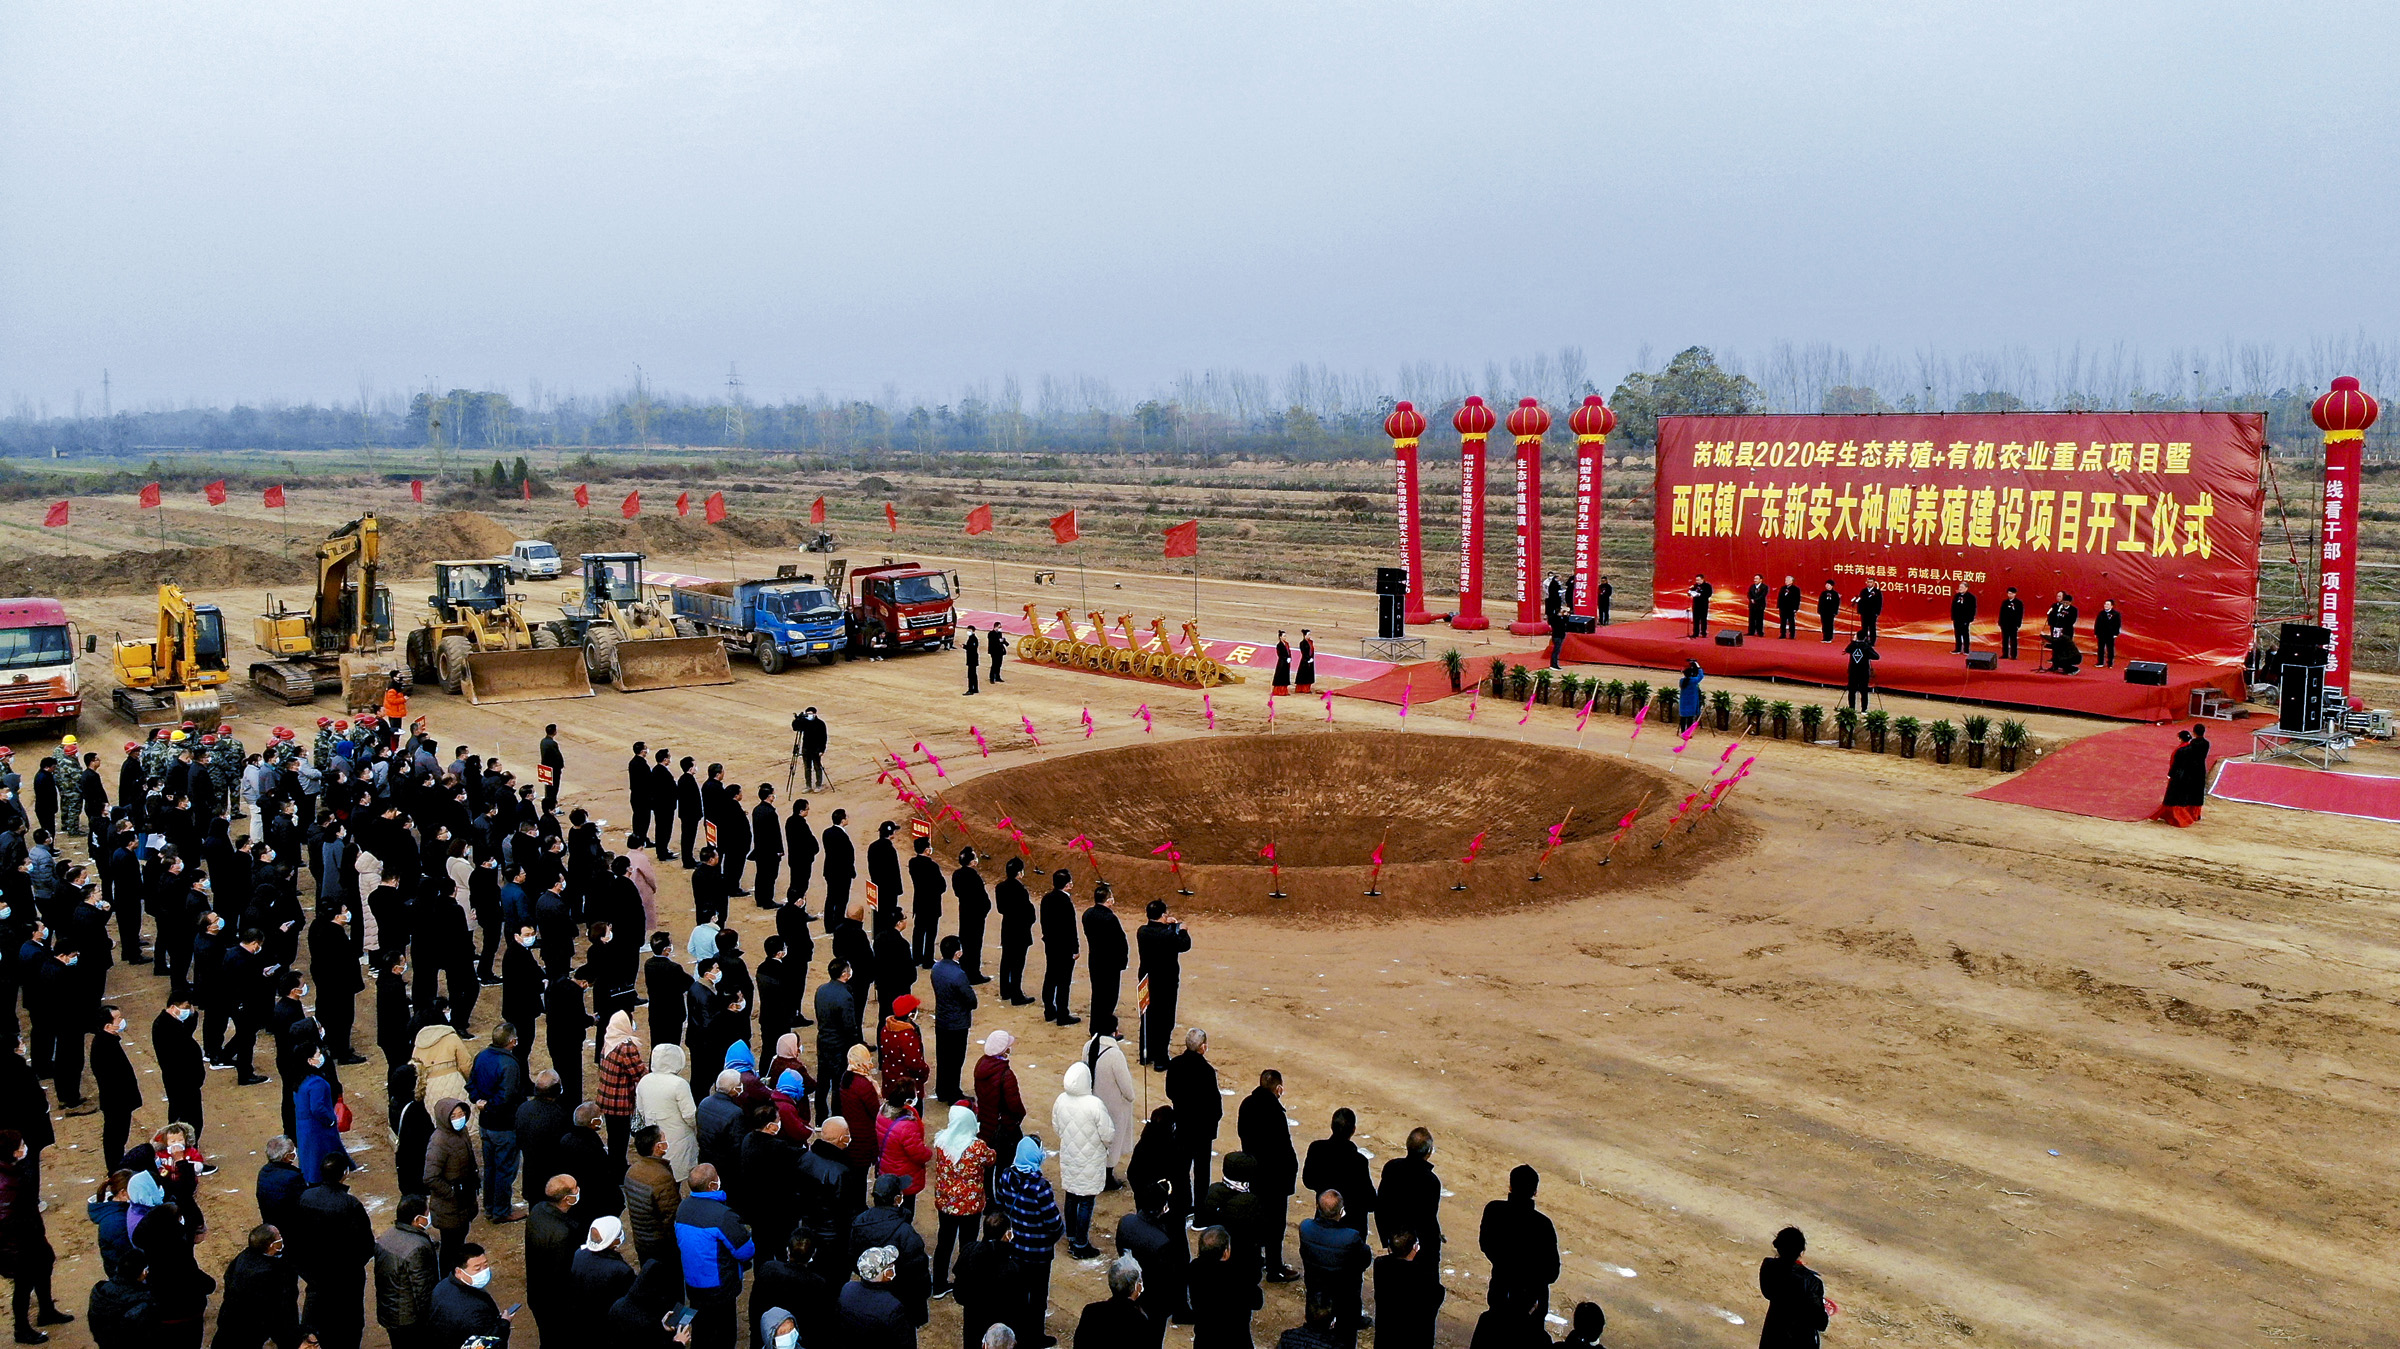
(38, 679)
(533, 558)
(899, 606)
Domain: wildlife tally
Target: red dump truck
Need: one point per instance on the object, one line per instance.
(38, 679)
(894, 606)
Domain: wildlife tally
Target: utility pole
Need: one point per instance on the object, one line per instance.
(736, 425)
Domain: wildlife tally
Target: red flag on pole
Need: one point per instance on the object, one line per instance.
(979, 520)
(683, 504)
(716, 508)
(583, 495)
(1184, 540)
(891, 518)
(150, 496)
(215, 492)
(816, 511)
(56, 516)
(525, 489)
(1062, 528)
(633, 504)
(416, 490)
(274, 496)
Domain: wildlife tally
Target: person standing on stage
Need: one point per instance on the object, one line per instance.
(1870, 608)
(2062, 618)
(1962, 619)
(1305, 679)
(1701, 593)
(2105, 626)
(1600, 599)
(1829, 607)
(1862, 658)
(1787, 610)
(2012, 617)
(1283, 666)
(1758, 606)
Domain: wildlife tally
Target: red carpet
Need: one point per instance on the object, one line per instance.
(1427, 681)
(2360, 796)
(1910, 665)
(2116, 775)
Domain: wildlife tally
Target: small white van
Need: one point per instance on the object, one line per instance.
(534, 558)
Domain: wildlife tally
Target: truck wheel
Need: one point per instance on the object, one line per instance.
(685, 627)
(545, 637)
(450, 662)
(600, 653)
(828, 657)
(770, 656)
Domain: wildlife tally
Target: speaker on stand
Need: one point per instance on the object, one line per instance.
(2301, 706)
(1391, 616)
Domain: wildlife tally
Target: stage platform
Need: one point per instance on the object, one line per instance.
(1908, 665)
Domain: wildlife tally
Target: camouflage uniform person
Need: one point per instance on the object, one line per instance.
(225, 770)
(69, 776)
(158, 755)
(322, 751)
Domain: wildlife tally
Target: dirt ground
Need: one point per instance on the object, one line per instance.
(2025, 1078)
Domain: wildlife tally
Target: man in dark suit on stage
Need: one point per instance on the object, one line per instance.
(1962, 619)
(1870, 608)
(1829, 607)
(1787, 610)
(2012, 617)
(1701, 593)
(1758, 606)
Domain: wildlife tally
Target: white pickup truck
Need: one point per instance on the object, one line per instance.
(534, 558)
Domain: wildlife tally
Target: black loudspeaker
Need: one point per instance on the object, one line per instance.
(1983, 660)
(2151, 672)
(2301, 707)
(1391, 580)
(1582, 623)
(2302, 644)
(1729, 637)
(1390, 616)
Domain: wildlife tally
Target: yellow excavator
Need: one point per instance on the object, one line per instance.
(334, 643)
(474, 639)
(173, 677)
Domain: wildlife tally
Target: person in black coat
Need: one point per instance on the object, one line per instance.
(781, 985)
(174, 1043)
(974, 649)
(1861, 656)
(766, 845)
(1266, 1134)
(1795, 1295)
(542, 1123)
(1017, 918)
(336, 1242)
(1105, 947)
(895, 963)
(687, 809)
(665, 983)
(765, 1179)
(1153, 1236)
(838, 1026)
(582, 1152)
(800, 848)
(1408, 1197)
(1758, 606)
(1334, 1163)
(395, 1035)
(1700, 593)
(556, 762)
(2012, 617)
(840, 865)
(974, 908)
(2105, 626)
(637, 795)
(1522, 1246)
(1192, 1090)
(926, 886)
(1408, 1295)
(462, 1311)
(663, 805)
(566, 1018)
(733, 839)
(1870, 609)
(883, 868)
(1962, 620)
(596, 1277)
(1787, 609)
(120, 1092)
(814, 735)
(333, 954)
(1829, 607)
(262, 1295)
(1161, 943)
(1060, 945)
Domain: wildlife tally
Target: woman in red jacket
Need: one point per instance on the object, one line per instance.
(904, 1152)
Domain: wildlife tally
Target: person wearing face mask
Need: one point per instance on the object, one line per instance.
(333, 957)
(25, 1253)
(120, 1091)
(451, 1179)
(596, 1278)
(463, 1307)
(262, 1295)
(777, 1329)
(552, 1235)
(406, 1271)
(319, 1133)
(181, 1066)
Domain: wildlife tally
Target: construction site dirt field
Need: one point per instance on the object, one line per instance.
(2025, 1078)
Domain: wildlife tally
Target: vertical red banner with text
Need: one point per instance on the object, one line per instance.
(1587, 526)
(1412, 543)
(1470, 534)
(2337, 571)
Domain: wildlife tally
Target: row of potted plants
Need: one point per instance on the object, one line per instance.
(1757, 716)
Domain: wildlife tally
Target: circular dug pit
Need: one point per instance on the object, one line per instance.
(1325, 800)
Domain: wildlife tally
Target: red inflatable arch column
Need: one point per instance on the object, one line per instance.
(2344, 413)
(1591, 424)
(1529, 423)
(1473, 422)
(1405, 426)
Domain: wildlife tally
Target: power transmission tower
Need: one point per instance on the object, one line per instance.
(736, 423)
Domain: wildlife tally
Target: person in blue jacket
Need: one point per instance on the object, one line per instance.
(1687, 697)
(312, 1109)
(714, 1245)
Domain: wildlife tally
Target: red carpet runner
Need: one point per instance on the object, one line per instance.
(2115, 775)
(2361, 796)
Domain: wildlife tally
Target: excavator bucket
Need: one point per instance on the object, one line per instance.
(526, 676)
(671, 663)
(364, 678)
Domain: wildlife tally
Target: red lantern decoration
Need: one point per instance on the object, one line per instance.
(2343, 413)
(1473, 422)
(1405, 425)
(1529, 423)
(1591, 424)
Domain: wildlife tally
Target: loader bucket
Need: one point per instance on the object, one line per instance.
(526, 676)
(671, 663)
(364, 678)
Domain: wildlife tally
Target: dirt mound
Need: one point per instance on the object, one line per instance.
(195, 569)
(673, 535)
(1326, 800)
(410, 545)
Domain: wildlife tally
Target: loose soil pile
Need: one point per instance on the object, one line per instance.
(411, 545)
(195, 569)
(1325, 802)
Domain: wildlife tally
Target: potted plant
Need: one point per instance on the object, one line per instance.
(1979, 728)
(1754, 708)
(2012, 740)
(1518, 682)
(1812, 722)
(1455, 665)
(1665, 696)
(1615, 693)
(1878, 723)
(1908, 728)
(1637, 696)
(1542, 680)
(1721, 703)
(1845, 726)
(1944, 735)
(1781, 714)
(1499, 677)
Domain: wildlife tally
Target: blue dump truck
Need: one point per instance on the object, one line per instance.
(776, 621)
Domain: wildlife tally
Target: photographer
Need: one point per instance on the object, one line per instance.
(1160, 944)
(809, 735)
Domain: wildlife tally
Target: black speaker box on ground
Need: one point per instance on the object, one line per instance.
(2302, 644)
(2146, 672)
(1391, 580)
(1729, 637)
(2301, 706)
(1582, 623)
(1391, 614)
(1983, 660)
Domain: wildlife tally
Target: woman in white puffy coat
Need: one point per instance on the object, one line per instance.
(1112, 1082)
(664, 1098)
(1085, 1131)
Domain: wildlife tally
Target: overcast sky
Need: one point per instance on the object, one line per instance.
(282, 199)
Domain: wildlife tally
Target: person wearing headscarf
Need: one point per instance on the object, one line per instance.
(858, 1100)
(597, 1276)
(999, 1104)
(1034, 1222)
(621, 1070)
(664, 1098)
(961, 1160)
(870, 1313)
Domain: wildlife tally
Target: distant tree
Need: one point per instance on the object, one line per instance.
(1851, 398)
(1693, 384)
(1991, 400)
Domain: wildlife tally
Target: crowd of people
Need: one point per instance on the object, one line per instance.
(680, 1167)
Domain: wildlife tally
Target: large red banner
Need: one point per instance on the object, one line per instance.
(2158, 511)
(2337, 571)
